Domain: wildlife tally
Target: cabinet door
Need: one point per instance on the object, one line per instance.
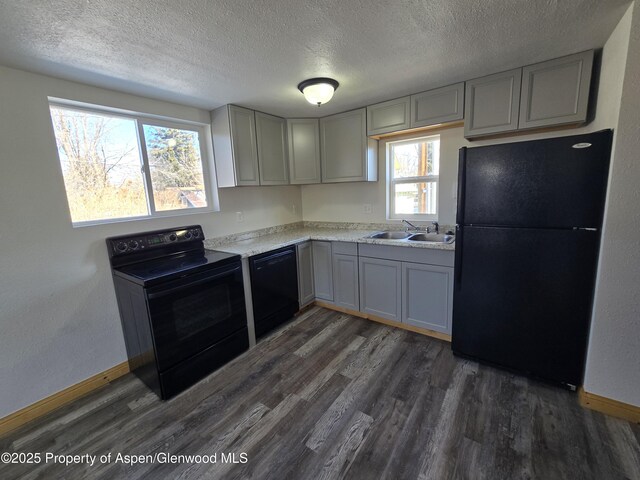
(306, 291)
(388, 116)
(492, 104)
(322, 270)
(427, 296)
(440, 105)
(242, 122)
(556, 92)
(345, 281)
(271, 133)
(346, 153)
(380, 287)
(304, 150)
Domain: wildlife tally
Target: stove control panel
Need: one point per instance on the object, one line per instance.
(128, 244)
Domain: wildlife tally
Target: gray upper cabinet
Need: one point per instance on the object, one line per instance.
(306, 291)
(427, 296)
(271, 135)
(304, 150)
(492, 104)
(322, 270)
(387, 117)
(234, 144)
(347, 154)
(441, 105)
(380, 288)
(556, 92)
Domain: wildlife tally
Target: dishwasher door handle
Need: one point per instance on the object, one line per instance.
(273, 259)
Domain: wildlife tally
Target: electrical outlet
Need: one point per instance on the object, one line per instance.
(239, 217)
(366, 208)
(293, 208)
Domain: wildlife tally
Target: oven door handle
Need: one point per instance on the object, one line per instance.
(185, 283)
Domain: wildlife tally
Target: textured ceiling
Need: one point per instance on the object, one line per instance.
(254, 53)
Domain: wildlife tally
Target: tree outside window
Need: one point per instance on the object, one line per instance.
(111, 164)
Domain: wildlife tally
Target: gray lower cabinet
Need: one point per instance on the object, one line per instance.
(380, 287)
(347, 154)
(556, 92)
(427, 296)
(492, 104)
(345, 281)
(271, 135)
(303, 136)
(440, 105)
(322, 270)
(387, 117)
(306, 291)
(233, 131)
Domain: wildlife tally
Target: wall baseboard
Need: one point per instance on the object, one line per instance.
(609, 406)
(61, 398)
(391, 323)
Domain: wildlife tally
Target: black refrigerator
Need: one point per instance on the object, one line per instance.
(528, 232)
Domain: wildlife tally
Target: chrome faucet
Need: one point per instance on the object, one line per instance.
(436, 227)
(411, 226)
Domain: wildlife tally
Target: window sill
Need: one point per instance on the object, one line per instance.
(172, 214)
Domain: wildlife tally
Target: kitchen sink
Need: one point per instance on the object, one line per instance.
(391, 235)
(414, 237)
(432, 237)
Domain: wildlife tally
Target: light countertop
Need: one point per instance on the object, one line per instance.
(265, 243)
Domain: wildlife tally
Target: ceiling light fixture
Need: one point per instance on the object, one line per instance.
(318, 90)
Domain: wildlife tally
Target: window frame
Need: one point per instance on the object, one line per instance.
(391, 182)
(140, 119)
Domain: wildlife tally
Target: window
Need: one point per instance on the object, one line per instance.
(413, 166)
(119, 166)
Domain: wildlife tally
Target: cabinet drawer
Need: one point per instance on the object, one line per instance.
(443, 258)
(345, 248)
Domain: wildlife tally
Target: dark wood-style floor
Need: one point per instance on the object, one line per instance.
(333, 396)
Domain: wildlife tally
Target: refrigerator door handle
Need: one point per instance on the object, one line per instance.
(458, 259)
(462, 178)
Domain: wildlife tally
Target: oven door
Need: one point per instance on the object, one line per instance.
(194, 312)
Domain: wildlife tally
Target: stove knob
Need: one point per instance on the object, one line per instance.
(196, 233)
(187, 235)
(173, 237)
(121, 247)
(133, 245)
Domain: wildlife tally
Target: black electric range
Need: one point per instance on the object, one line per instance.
(182, 307)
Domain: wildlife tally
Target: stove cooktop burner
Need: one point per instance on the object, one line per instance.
(166, 268)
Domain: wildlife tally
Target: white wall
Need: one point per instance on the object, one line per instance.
(59, 321)
(613, 361)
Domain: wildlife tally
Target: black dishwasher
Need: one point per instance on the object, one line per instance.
(274, 288)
